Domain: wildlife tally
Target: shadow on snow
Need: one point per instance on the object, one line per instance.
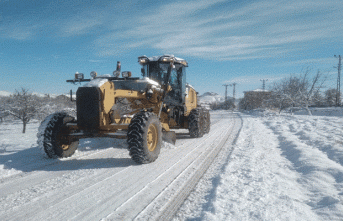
(34, 159)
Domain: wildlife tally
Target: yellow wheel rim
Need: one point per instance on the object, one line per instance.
(63, 143)
(64, 147)
(152, 137)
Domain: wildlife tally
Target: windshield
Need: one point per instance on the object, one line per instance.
(158, 71)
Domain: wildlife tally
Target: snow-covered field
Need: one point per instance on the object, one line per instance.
(278, 167)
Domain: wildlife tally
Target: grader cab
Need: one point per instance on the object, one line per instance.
(143, 111)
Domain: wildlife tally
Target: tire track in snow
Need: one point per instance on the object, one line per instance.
(58, 167)
(173, 205)
(130, 208)
(98, 193)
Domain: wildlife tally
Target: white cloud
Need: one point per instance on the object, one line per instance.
(310, 62)
(222, 30)
(79, 26)
(257, 30)
(19, 30)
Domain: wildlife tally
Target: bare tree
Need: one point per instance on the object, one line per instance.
(2, 109)
(318, 99)
(22, 105)
(298, 91)
(50, 105)
(330, 97)
(255, 99)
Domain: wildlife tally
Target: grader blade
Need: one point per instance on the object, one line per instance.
(169, 137)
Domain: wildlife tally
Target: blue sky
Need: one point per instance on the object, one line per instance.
(43, 43)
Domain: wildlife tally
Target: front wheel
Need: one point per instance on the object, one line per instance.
(54, 136)
(144, 137)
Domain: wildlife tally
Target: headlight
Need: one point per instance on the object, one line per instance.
(167, 59)
(79, 76)
(184, 63)
(126, 74)
(143, 61)
(94, 74)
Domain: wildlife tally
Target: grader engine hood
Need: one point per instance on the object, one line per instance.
(97, 98)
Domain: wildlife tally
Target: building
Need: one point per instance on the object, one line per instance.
(255, 99)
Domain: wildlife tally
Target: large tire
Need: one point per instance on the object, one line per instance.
(195, 125)
(55, 140)
(207, 121)
(144, 137)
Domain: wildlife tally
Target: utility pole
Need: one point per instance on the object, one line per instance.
(233, 93)
(225, 85)
(234, 90)
(338, 92)
(264, 83)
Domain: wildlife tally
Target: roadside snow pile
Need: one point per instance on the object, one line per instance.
(283, 167)
(328, 111)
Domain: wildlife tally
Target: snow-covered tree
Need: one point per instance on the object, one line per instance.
(23, 106)
(298, 91)
(318, 99)
(51, 105)
(2, 109)
(255, 99)
(330, 97)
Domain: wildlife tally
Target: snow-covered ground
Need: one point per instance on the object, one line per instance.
(283, 167)
(280, 167)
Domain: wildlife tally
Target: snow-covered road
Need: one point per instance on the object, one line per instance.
(101, 181)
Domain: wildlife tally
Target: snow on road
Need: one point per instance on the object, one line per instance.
(100, 181)
(280, 167)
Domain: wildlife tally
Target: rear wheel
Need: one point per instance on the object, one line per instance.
(207, 121)
(144, 137)
(195, 125)
(55, 137)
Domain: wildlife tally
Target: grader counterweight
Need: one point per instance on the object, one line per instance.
(143, 111)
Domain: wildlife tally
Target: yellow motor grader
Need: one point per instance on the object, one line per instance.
(143, 111)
